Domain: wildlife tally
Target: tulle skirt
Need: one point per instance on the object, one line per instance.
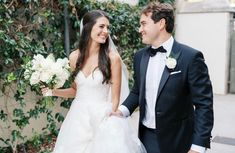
(87, 128)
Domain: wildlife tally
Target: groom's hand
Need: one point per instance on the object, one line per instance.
(192, 151)
(117, 113)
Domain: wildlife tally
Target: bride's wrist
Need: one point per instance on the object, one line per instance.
(53, 92)
(114, 109)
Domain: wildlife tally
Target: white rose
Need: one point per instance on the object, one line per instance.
(63, 62)
(35, 78)
(62, 76)
(66, 74)
(46, 65)
(46, 76)
(59, 84)
(36, 62)
(171, 63)
(27, 74)
(38, 57)
(51, 57)
(57, 69)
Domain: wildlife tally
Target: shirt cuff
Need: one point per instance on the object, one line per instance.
(197, 148)
(124, 110)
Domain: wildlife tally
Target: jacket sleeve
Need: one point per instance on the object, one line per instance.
(132, 101)
(202, 99)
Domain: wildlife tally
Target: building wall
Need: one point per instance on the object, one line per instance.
(209, 33)
(8, 104)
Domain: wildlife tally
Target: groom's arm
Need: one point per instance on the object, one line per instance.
(132, 101)
(202, 99)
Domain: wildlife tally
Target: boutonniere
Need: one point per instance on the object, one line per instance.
(171, 63)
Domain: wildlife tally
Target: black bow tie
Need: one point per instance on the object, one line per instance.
(153, 51)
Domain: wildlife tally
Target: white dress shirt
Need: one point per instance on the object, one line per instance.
(154, 72)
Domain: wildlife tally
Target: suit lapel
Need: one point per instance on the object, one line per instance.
(143, 70)
(164, 78)
(175, 53)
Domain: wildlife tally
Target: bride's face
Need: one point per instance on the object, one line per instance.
(100, 30)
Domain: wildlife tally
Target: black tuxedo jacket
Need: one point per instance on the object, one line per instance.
(184, 104)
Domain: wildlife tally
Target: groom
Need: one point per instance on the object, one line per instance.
(172, 88)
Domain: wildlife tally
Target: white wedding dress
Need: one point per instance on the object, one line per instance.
(87, 127)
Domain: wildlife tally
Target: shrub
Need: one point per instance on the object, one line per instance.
(33, 26)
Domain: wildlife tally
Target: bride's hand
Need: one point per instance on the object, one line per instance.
(117, 113)
(46, 91)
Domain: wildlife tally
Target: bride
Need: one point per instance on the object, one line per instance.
(99, 82)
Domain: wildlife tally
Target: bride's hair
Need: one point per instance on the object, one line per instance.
(89, 20)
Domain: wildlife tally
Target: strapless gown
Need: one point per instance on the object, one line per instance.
(87, 127)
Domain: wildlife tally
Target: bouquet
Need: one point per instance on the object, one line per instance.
(47, 71)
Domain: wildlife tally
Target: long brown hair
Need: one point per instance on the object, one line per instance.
(104, 65)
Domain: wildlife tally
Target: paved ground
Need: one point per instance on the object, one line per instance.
(223, 140)
(224, 127)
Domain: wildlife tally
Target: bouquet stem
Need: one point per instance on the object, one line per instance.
(48, 102)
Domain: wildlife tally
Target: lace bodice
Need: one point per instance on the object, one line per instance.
(90, 88)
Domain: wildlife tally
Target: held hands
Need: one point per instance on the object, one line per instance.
(117, 113)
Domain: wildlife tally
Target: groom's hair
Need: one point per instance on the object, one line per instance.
(161, 11)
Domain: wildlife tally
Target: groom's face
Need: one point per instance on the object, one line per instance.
(148, 29)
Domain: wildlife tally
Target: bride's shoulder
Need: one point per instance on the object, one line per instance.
(73, 58)
(114, 57)
(75, 53)
(115, 61)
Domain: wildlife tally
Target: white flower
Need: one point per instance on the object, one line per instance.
(46, 65)
(47, 71)
(57, 68)
(37, 60)
(59, 84)
(64, 62)
(171, 62)
(35, 78)
(61, 76)
(27, 74)
(51, 57)
(46, 76)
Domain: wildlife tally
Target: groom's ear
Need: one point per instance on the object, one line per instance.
(162, 22)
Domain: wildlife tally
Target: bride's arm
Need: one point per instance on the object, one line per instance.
(116, 77)
(68, 92)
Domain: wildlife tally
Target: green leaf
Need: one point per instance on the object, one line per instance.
(11, 77)
(15, 134)
(59, 117)
(48, 102)
(3, 115)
